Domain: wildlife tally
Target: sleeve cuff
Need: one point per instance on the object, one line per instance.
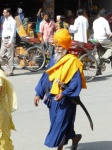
(38, 95)
(63, 94)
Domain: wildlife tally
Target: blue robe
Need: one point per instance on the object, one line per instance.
(62, 114)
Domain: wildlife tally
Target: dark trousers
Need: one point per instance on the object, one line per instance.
(48, 47)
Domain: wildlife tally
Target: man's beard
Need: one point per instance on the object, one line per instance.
(58, 56)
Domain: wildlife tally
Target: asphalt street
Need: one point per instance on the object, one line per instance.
(32, 123)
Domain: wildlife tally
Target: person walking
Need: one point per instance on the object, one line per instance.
(59, 85)
(8, 41)
(80, 27)
(47, 29)
(8, 104)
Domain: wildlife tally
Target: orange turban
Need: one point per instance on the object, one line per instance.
(63, 38)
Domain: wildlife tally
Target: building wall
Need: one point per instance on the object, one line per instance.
(107, 4)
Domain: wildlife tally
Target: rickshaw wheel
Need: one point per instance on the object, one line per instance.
(34, 59)
(89, 66)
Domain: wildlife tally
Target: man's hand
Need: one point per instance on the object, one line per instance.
(9, 45)
(58, 97)
(36, 100)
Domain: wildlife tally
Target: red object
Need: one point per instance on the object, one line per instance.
(78, 47)
(88, 46)
(34, 40)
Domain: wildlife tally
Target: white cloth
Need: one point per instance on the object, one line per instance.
(9, 29)
(101, 29)
(71, 29)
(19, 10)
(102, 33)
(80, 29)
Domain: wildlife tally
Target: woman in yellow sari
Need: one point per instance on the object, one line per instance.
(22, 33)
(20, 29)
(8, 104)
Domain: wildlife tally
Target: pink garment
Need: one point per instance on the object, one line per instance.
(48, 30)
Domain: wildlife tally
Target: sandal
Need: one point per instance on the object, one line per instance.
(73, 147)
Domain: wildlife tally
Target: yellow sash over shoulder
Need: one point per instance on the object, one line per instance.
(64, 71)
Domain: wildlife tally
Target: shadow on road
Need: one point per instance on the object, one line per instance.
(101, 78)
(100, 145)
(28, 73)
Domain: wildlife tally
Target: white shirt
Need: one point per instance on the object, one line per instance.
(80, 29)
(101, 29)
(9, 29)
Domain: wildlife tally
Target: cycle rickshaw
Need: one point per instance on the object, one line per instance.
(35, 58)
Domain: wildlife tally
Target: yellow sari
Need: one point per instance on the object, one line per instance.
(8, 104)
(20, 29)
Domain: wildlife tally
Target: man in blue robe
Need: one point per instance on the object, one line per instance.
(63, 69)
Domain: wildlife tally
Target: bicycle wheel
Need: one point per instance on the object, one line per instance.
(90, 66)
(34, 59)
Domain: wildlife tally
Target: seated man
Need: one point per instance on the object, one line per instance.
(103, 33)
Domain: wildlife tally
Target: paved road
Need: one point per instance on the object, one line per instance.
(32, 123)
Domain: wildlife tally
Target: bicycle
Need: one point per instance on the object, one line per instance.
(100, 51)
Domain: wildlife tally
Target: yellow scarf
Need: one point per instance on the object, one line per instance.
(11, 94)
(64, 71)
